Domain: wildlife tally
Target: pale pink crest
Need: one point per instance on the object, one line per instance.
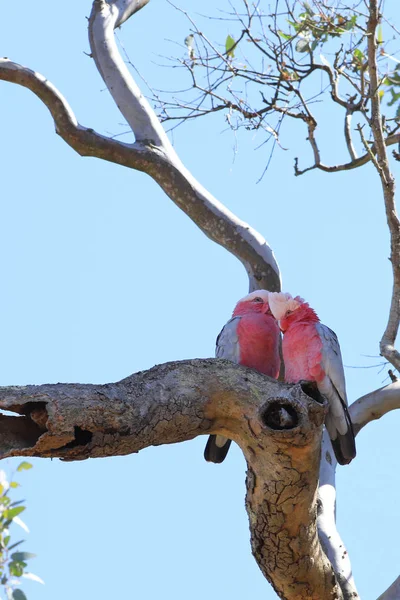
(281, 302)
(264, 294)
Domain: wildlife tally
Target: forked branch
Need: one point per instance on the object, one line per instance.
(152, 152)
(278, 427)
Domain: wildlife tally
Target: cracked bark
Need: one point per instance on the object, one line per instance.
(278, 427)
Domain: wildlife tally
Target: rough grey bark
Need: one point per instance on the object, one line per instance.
(278, 427)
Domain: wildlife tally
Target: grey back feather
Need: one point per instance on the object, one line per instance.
(332, 359)
(333, 387)
(227, 345)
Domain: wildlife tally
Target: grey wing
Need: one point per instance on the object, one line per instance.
(332, 359)
(333, 387)
(227, 345)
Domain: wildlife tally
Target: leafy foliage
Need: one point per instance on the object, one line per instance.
(13, 565)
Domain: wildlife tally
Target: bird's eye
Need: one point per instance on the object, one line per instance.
(258, 299)
(288, 312)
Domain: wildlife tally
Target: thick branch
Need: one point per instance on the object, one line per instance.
(329, 536)
(158, 161)
(278, 426)
(212, 217)
(387, 347)
(374, 405)
(104, 18)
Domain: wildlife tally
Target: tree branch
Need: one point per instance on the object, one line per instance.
(387, 342)
(152, 152)
(104, 18)
(353, 164)
(329, 536)
(375, 405)
(211, 216)
(347, 134)
(278, 427)
(393, 592)
(368, 408)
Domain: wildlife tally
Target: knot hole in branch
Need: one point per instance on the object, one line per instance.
(36, 411)
(279, 414)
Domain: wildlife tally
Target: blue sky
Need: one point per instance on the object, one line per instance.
(103, 276)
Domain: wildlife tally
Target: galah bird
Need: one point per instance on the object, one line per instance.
(311, 351)
(250, 338)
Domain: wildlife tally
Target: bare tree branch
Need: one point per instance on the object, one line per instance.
(329, 536)
(353, 164)
(375, 405)
(347, 135)
(211, 216)
(162, 164)
(387, 347)
(104, 18)
(278, 426)
(368, 408)
(393, 592)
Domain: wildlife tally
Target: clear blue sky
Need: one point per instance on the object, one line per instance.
(103, 276)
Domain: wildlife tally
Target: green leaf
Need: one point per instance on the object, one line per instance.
(10, 513)
(395, 97)
(4, 501)
(13, 545)
(14, 484)
(358, 58)
(6, 540)
(358, 54)
(16, 568)
(285, 36)
(229, 46)
(18, 595)
(303, 46)
(351, 23)
(20, 556)
(379, 36)
(24, 466)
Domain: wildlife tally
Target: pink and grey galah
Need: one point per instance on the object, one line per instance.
(250, 338)
(311, 352)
